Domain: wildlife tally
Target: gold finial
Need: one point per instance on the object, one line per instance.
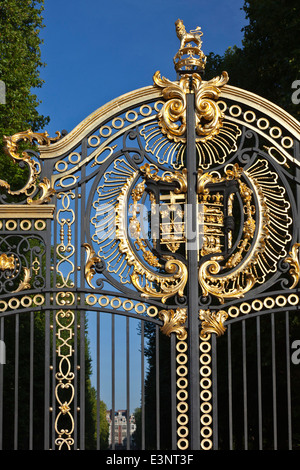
(189, 55)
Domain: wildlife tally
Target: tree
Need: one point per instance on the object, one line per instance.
(20, 62)
(268, 63)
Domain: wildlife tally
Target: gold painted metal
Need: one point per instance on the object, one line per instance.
(182, 393)
(18, 211)
(7, 262)
(174, 321)
(195, 58)
(89, 270)
(256, 255)
(64, 422)
(135, 228)
(212, 322)
(25, 284)
(208, 115)
(11, 148)
(115, 243)
(258, 251)
(206, 407)
(136, 97)
(148, 282)
(293, 260)
(172, 227)
(65, 249)
(150, 171)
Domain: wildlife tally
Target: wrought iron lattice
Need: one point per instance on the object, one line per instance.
(175, 205)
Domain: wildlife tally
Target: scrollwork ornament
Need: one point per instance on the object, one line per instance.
(65, 378)
(293, 261)
(208, 116)
(145, 280)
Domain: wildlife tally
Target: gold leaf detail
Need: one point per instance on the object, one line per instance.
(173, 322)
(208, 116)
(89, 270)
(293, 261)
(25, 284)
(7, 262)
(212, 322)
(11, 148)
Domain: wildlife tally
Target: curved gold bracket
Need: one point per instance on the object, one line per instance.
(11, 149)
(293, 261)
(89, 270)
(25, 284)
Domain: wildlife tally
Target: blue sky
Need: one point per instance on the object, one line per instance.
(96, 51)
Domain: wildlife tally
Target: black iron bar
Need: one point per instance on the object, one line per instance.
(82, 299)
(215, 392)
(16, 394)
(75, 380)
(157, 388)
(229, 388)
(288, 378)
(49, 287)
(54, 369)
(274, 380)
(192, 282)
(82, 381)
(244, 346)
(113, 358)
(173, 392)
(75, 329)
(259, 384)
(128, 381)
(31, 355)
(98, 380)
(143, 383)
(1, 385)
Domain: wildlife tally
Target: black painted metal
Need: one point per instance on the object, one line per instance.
(192, 285)
(254, 391)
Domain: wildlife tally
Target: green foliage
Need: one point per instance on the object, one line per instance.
(269, 60)
(150, 393)
(20, 62)
(103, 430)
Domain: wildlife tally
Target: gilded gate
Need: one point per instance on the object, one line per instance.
(176, 206)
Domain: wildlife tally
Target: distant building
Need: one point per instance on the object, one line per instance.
(121, 428)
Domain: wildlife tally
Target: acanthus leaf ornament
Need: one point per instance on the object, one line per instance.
(216, 137)
(25, 284)
(91, 260)
(174, 321)
(212, 322)
(172, 116)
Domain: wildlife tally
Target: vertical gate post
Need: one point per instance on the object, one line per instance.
(192, 283)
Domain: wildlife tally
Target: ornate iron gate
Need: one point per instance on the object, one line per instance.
(176, 208)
